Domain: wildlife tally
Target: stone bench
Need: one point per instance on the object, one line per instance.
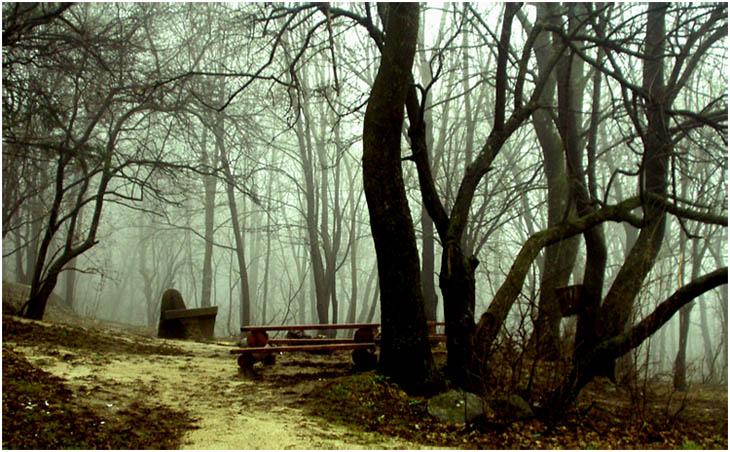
(177, 322)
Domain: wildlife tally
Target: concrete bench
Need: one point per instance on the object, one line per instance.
(177, 322)
(196, 323)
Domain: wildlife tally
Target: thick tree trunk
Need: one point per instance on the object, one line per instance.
(427, 267)
(458, 287)
(405, 353)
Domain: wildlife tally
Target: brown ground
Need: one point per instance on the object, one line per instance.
(96, 387)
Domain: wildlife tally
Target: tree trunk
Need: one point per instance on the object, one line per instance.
(70, 289)
(267, 263)
(374, 303)
(723, 316)
(354, 235)
(405, 353)
(366, 307)
(45, 274)
(458, 287)
(209, 185)
(601, 331)
(568, 71)
(34, 231)
(245, 307)
(428, 269)
(560, 257)
(612, 348)
(428, 240)
(304, 135)
(680, 362)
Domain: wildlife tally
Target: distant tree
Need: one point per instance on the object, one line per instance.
(79, 94)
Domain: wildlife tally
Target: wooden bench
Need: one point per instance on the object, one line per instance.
(260, 347)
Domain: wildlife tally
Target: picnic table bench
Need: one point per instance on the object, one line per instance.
(362, 344)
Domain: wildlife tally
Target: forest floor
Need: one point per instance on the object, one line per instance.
(90, 385)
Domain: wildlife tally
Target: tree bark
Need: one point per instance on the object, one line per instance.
(405, 353)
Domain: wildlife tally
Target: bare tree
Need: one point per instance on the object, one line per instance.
(405, 353)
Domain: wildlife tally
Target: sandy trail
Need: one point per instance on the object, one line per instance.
(232, 412)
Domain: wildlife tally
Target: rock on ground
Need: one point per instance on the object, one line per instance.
(457, 407)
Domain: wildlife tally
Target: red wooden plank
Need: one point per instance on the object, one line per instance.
(311, 341)
(337, 326)
(315, 340)
(304, 348)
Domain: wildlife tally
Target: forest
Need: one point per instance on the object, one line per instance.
(550, 180)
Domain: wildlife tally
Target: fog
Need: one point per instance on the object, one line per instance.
(239, 127)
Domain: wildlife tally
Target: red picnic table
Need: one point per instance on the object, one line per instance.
(363, 342)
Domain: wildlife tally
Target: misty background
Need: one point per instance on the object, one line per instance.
(237, 179)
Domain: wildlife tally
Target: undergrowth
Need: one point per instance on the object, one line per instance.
(369, 402)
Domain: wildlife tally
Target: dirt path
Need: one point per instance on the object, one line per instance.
(232, 412)
(127, 388)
